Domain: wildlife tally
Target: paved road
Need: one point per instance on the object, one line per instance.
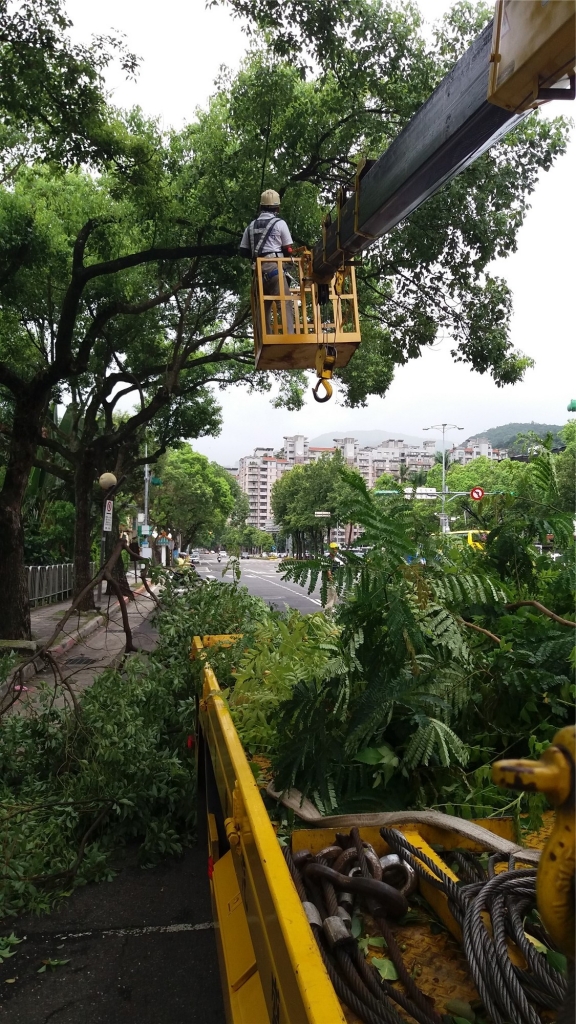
(262, 578)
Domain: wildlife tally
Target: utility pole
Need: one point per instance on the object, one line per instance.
(444, 427)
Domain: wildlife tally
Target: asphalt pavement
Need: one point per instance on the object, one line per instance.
(262, 577)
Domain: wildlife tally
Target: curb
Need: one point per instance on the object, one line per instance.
(38, 665)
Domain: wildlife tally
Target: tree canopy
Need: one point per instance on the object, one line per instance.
(195, 498)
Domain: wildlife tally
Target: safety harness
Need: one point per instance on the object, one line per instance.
(259, 233)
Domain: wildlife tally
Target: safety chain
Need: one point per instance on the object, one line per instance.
(328, 885)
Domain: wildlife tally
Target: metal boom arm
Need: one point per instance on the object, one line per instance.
(454, 127)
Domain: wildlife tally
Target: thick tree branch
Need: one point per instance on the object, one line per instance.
(137, 259)
(541, 608)
(53, 469)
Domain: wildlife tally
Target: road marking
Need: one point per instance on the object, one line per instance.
(154, 929)
(282, 586)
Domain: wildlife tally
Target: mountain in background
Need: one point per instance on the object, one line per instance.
(365, 438)
(505, 436)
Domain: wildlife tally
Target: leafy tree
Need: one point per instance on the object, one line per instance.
(194, 497)
(386, 482)
(52, 94)
(481, 472)
(304, 490)
(49, 534)
(152, 236)
(565, 464)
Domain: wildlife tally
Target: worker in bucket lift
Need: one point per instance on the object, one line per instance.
(269, 235)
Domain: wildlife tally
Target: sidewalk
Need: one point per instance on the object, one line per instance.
(88, 643)
(45, 618)
(83, 653)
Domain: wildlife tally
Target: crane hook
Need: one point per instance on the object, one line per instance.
(327, 388)
(325, 360)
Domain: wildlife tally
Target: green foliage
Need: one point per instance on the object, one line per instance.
(52, 94)
(297, 495)
(247, 538)
(423, 688)
(156, 306)
(116, 771)
(196, 497)
(49, 534)
(285, 650)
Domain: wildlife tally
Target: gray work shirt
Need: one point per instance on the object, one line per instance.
(278, 237)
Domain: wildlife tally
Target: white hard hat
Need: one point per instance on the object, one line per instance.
(269, 198)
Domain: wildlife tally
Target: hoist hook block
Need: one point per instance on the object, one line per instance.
(327, 388)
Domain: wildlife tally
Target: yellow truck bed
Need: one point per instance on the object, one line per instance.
(271, 968)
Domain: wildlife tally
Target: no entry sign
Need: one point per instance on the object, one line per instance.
(108, 511)
(477, 493)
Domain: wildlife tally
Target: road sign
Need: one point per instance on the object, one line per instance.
(108, 511)
(477, 493)
(163, 542)
(322, 515)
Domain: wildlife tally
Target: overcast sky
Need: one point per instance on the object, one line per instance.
(182, 46)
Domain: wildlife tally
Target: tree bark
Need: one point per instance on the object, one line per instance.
(14, 601)
(118, 570)
(83, 481)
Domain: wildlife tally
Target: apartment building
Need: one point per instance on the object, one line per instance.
(473, 448)
(315, 453)
(396, 457)
(296, 449)
(348, 447)
(257, 474)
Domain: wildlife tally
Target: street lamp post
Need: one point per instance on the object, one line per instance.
(443, 427)
(107, 482)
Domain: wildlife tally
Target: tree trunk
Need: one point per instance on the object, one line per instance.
(14, 602)
(118, 569)
(83, 480)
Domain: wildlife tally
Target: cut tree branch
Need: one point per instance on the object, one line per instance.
(541, 608)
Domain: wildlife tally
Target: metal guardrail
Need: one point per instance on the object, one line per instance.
(50, 583)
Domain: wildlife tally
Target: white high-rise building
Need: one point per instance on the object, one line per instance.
(396, 457)
(296, 449)
(473, 448)
(257, 474)
(348, 446)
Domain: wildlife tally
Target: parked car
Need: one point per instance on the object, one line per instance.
(245, 554)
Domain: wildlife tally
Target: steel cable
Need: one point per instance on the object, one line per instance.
(344, 993)
(380, 987)
(351, 990)
(506, 897)
(415, 993)
(508, 992)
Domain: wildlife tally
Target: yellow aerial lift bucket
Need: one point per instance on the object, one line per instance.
(291, 325)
